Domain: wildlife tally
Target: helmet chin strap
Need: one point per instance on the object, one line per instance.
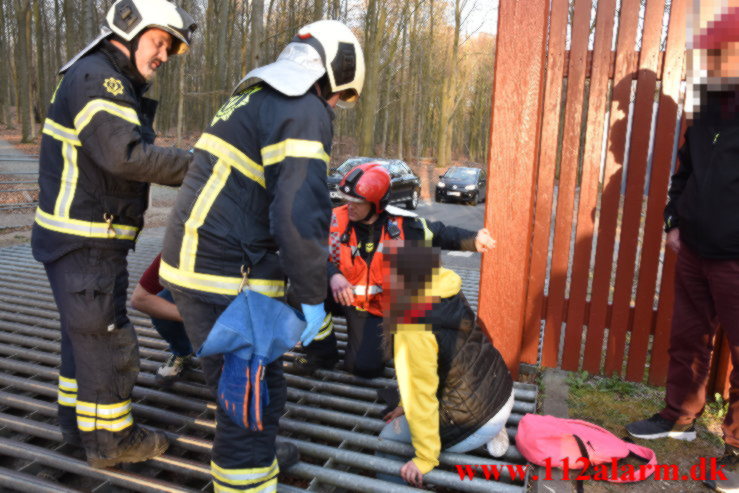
(133, 46)
(369, 214)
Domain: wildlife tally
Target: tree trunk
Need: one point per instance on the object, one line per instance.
(69, 23)
(256, 35)
(41, 75)
(32, 87)
(89, 27)
(23, 16)
(318, 10)
(244, 48)
(403, 92)
(58, 19)
(386, 114)
(4, 75)
(448, 96)
(180, 104)
(370, 94)
(232, 67)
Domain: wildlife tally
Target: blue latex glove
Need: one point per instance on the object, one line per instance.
(314, 315)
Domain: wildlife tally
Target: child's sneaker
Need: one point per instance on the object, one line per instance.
(172, 369)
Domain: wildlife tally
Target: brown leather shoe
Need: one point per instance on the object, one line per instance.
(140, 445)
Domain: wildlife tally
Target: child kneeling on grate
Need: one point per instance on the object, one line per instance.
(456, 392)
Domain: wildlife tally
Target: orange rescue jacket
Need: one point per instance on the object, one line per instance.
(344, 253)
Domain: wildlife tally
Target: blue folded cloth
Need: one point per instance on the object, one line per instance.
(252, 332)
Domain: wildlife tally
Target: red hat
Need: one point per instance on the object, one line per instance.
(369, 182)
(723, 29)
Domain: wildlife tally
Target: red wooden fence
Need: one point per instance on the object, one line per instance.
(583, 95)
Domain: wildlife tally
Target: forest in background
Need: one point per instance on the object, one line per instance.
(427, 88)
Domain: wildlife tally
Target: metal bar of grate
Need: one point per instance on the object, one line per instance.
(27, 482)
(333, 417)
(51, 458)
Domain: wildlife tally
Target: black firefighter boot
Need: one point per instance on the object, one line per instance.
(139, 446)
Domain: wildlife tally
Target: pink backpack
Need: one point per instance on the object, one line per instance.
(563, 443)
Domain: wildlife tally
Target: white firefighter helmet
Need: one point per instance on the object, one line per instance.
(323, 47)
(129, 18)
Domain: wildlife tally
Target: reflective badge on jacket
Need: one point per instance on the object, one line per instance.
(113, 86)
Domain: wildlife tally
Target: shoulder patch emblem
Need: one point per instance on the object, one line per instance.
(113, 86)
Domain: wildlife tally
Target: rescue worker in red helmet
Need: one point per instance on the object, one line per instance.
(357, 234)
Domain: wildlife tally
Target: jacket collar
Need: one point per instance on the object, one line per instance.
(123, 64)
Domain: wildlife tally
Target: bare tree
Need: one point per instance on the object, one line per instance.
(23, 19)
(426, 91)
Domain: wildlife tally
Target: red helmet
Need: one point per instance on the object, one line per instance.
(368, 182)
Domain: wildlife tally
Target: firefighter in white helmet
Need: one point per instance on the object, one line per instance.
(254, 212)
(97, 159)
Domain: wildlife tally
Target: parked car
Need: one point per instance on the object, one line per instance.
(405, 186)
(462, 184)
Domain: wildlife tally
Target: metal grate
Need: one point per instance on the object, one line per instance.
(333, 417)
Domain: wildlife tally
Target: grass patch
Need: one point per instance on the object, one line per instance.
(613, 403)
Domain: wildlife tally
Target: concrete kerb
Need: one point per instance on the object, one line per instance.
(553, 394)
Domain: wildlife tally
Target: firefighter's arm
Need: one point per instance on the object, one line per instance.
(441, 235)
(109, 129)
(416, 355)
(295, 160)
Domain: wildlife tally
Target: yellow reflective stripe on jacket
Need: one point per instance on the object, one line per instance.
(427, 234)
(277, 153)
(213, 187)
(232, 157)
(68, 181)
(212, 283)
(91, 424)
(267, 287)
(240, 477)
(107, 411)
(361, 290)
(95, 106)
(267, 487)
(60, 132)
(84, 228)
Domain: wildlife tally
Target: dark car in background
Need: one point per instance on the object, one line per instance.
(462, 184)
(405, 186)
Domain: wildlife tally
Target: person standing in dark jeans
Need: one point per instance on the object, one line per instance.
(702, 225)
(150, 297)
